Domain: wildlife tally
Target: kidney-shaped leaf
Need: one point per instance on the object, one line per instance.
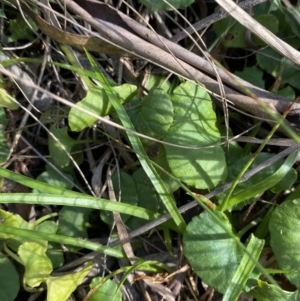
(284, 229)
(212, 252)
(195, 125)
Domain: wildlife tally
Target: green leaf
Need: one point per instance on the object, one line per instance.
(233, 33)
(212, 252)
(9, 284)
(247, 264)
(20, 30)
(163, 5)
(270, 22)
(195, 125)
(161, 189)
(153, 116)
(161, 160)
(124, 92)
(4, 150)
(284, 229)
(51, 177)
(127, 189)
(156, 81)
(278, 66)
(252, 75)
(287, 92)
(57, 153)
(97, 102)
(73, 220)
(37, 264)
(6, 100)
(147, 199)
(54, 251)
(16, 221)
(107, 291)
(60, 288)
(267, 292)
(2, 15)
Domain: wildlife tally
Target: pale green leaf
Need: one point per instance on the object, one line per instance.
(156, 81)
(211, 251)
(195, 125)
(60, 288)
(107, 291)
(97, 102)
(37, 264)
(9, 284)
(7, 101)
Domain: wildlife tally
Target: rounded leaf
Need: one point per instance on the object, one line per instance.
(195, 125)
(211, 250)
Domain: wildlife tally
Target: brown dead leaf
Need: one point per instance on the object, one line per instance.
(79, 41)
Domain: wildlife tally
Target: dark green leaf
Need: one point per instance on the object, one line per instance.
(9, 284)
(284, 229)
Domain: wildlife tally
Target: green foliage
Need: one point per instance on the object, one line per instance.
(37, 265)
(212, 250)
(7, 101)
(60, 288)
(4, 150)
(125, 189)
(284, 230)
(9, 284)
(19, 29)
(96, 102)
(164, 5)
(187, 151)
(153, 116)
(194, 125)
(108, 290)
(266, 292)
